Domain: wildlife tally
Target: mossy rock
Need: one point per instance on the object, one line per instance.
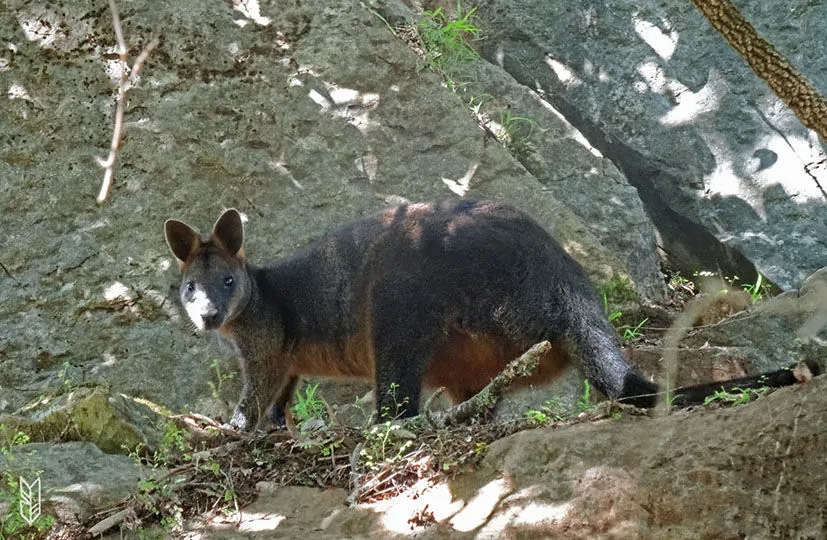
(114, 422)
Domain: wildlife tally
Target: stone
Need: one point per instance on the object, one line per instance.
(727, 174)
(115, 423)
(77, 479)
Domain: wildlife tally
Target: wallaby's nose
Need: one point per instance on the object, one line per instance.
(211, 319)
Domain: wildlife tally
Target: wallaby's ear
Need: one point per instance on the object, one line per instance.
(181, 239)
(229, 231)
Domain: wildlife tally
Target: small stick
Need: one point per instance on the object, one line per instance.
(108, 522)
(108, 164)
(488, 397)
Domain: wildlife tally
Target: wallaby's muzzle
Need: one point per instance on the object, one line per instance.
(201, 310)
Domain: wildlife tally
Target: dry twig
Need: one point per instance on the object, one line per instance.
(128, 78)
(484, 401)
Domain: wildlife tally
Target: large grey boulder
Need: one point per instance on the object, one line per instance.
(76, 479)
(726, 172)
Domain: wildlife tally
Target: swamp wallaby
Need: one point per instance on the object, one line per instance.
(439, 294)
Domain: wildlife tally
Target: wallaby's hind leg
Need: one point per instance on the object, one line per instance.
(277, 411)
(407, 329)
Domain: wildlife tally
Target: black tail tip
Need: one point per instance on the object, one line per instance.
(644, 394)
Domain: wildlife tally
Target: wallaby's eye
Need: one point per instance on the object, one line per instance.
(228, 281)
(190, 286)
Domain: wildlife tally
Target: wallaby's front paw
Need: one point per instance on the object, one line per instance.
(240, 422)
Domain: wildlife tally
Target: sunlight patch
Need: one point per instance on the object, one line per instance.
(571, 132)
(399, 513)
(41, 30)
(481, 505)
(280, 167)
(461, 185)
(117, 291)
(16, 91)
(352, 105)
(564, 73)
(251, 10)
(792, 152)
(248, 522)
(109, 360)
(662, 42)
(690, 105)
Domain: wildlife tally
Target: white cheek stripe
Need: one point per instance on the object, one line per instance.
(197, 307)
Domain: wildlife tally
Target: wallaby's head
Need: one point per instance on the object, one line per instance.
(216, 286)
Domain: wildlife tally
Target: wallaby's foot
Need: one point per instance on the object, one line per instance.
(277, 416)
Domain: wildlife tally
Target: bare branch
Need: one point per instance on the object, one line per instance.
(127, 78)
(484, 401)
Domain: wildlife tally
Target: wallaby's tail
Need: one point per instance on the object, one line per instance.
(796, 373)
(594, 341)
(612, 374)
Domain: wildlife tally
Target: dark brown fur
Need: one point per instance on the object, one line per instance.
(442, 294)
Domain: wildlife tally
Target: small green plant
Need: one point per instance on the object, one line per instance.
(383, 445)
(308, 406)
(682, 288)
(611, 314)
(444, 41)
(618, 291)
(159, 499)
(551, 411)
(668, 395)
(756, 290)
(475, 103)
(736, 396)
(220, 377)
(156, 492)
(173, 444)
(584, 404)
(9, 441)
(630, 333)
(514, 134)
(398, 405)
(677, 280)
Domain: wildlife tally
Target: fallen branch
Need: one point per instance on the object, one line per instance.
(486, 399)
(111, 521)
(128, 78)
(192, 423)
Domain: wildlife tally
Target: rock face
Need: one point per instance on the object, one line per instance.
(690, 475)
(304, 116)
(724, 170)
